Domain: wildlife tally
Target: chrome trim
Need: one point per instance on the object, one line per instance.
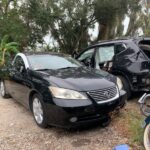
(142, 99)
(109, 100)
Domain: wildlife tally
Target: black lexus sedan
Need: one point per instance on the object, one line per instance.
(60, 91)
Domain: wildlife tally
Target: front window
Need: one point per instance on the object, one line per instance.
(86, 55)
(104, 54)
(53, 62)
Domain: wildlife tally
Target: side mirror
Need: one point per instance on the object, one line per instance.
(22, 69)
(87, 62)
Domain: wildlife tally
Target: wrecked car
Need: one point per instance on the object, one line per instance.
(60, 91)
(129, 59)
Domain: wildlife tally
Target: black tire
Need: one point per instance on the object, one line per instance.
(126, 86)
(43, 122)
(3, 92)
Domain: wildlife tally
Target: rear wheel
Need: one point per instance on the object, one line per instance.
(147, 137)
(38, 111)
(126, 86)
(3, 90)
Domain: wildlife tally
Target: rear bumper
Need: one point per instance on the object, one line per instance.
(83, 115)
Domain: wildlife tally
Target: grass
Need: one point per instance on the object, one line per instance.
(129, 125)
(135, 128)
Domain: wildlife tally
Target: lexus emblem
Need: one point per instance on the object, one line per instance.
(107, 94)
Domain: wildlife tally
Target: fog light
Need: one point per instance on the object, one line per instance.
(73, 119)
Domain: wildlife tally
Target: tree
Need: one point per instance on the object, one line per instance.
(69, 27)
(110, 15)
(6, 50)
(11, 23)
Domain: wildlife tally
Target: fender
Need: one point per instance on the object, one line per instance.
(118, 72)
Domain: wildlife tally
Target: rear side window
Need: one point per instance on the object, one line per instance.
(120, 48)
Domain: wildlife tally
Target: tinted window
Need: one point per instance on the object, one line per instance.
(18, 63)
(51, 62)
(86, 54)
(119, 48)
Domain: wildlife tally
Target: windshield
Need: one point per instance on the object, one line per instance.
(54, 62)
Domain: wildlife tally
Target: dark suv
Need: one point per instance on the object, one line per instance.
(129, 59)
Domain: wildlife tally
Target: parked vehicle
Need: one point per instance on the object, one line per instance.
(129, 59)
(60, 91)
(145, 109)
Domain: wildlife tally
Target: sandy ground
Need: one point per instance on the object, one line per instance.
(18, 131)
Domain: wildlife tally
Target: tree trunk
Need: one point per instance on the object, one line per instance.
(103, 32)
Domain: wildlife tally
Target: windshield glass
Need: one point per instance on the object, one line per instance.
(54, 62)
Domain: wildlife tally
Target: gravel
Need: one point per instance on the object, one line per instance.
(18, 131)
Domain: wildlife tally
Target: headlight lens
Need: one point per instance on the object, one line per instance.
(119, 83)
(65, 93)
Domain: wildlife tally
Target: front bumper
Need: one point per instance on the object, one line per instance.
(82, 115)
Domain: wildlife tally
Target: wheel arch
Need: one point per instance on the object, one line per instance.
(120, 73)
(32, 93)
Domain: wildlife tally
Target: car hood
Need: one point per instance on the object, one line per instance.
(79, 79)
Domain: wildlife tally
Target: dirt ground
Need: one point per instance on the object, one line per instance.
(18, 131)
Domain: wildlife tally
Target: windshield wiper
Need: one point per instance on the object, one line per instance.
(66, 68)
(42, 69)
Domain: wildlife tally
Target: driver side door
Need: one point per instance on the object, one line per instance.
(19, 79)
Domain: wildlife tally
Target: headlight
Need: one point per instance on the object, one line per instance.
(119, 83)
(65, 93)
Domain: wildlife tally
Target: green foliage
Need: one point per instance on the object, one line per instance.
(110, 15)
(7, 49)
(71, 22)
(68, 21)
(135, 128)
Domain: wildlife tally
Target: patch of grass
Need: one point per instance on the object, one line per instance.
(135, 127)
(129, 124)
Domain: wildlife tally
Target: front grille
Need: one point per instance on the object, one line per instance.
(104, 94)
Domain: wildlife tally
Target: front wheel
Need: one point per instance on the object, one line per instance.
(147, 137)
(38, 111)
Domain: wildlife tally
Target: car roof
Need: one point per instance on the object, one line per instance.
(119, 40)
(43, 53)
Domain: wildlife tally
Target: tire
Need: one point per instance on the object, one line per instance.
(3, 92)
(146, 139)
(38, 111)
(126, 86)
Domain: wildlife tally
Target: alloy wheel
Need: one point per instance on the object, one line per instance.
(37, 110)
